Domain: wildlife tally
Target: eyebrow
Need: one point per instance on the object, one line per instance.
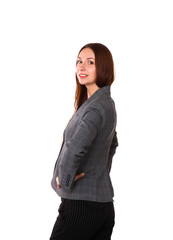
(87, 58)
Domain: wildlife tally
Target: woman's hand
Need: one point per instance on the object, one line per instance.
(76, 178)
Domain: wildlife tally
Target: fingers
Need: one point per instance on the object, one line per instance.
(76, 178)
(57, 180)
(79, 176)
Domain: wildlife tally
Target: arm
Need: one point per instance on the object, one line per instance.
(112, 150)
(77, 146)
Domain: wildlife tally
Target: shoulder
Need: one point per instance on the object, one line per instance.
(101, 106)
(94, 110)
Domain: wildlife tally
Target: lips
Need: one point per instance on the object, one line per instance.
(83, 75)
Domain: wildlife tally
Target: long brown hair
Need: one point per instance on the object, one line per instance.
(104, 71)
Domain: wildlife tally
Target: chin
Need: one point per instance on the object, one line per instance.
(81, 83)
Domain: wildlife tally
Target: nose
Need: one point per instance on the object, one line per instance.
(81, 66)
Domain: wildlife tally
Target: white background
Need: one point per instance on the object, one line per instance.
(39, 43)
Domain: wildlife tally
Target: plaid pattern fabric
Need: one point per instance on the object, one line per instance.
(89, 143)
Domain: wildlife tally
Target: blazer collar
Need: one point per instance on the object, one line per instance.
(98, 93)
(101, 91)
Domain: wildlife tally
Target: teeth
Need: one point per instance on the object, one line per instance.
(83, 75)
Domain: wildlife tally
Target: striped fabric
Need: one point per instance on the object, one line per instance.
(84, 220)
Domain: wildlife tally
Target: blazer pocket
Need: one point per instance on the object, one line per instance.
(90, 172)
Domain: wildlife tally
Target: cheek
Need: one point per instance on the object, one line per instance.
(93, 71)
(76, 69)
(94, 74)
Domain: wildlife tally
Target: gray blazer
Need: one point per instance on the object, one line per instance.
(89, 143)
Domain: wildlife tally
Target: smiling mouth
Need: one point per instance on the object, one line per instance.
(83, 75)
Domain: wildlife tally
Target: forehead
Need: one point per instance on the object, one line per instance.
(86, 53)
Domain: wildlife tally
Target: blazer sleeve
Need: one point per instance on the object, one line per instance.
(77, 146)
(112, 150)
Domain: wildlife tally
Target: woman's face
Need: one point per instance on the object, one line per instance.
(85, 67)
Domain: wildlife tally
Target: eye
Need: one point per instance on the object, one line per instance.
(90, 62)
(78, 62)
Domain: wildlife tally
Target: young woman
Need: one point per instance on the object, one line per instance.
(81, 173)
